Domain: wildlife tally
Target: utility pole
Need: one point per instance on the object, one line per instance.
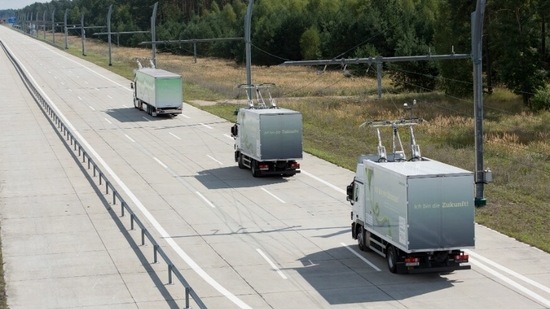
(248, 44)
(154, 33)
(53, 27)
(109, 32)
(481, 176)
(65, 29)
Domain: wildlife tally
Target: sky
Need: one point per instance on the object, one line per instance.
(18, 4)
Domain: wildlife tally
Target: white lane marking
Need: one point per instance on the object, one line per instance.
(275, 196)
(86, 82)
(70, 90)
(123, 105)
(272, 264)
(91, 107)
(185, 116)
(205, 199)
(62, 84)
(513, 283)
(228, 136)
(361, 257)
(220, 163)
(110, 97)
(97, 89)
(174, 135)
(185, 257)
(160, 162)
(146, 118)
(89, 69)
(324, 182)
(55, 77)
(128, 137)
(508, 271)
(206, 126)
(108, 121)
(79, 98)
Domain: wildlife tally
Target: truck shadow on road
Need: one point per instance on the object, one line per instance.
(340, 277)
(131, 114)
(233, 177)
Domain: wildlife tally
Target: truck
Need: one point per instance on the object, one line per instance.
(268, 139)
(157, 91)
(416, 212)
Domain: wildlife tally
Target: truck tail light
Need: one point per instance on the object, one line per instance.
(412, 261)
(462, 258)
(263, 167)
(295, 165)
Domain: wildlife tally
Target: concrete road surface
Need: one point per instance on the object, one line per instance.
(241, 242)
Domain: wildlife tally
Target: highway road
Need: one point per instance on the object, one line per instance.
(245, 242)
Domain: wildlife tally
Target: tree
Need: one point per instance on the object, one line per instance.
(519, 63)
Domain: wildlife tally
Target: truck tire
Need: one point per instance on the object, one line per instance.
(240, 161)
(361, 238)
(254, 168)
(391, 258)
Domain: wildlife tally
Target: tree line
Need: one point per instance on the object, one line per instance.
(515, 38)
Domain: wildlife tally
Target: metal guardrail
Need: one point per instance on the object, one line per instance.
(73, 142)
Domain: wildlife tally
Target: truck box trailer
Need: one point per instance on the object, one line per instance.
(417, 213)
(158, 92)
(268, 140)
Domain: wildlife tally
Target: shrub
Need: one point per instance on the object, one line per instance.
(541, 100)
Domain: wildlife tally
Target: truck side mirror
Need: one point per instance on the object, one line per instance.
(349, 192)
(132, 85)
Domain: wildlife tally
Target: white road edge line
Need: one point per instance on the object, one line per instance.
(79, 98)
(228, 136)
(185, 116)
(145, 118)
(108, 121)
(272, 264)
(513, 283)
(206, 277)
(214, 159)
(91, 107)
(361, 257)
(160, 162)
(206, 126)
(128, 137)
(174, 135)
(508, 271)
(205, 199)
(324, 182)
(275, 196)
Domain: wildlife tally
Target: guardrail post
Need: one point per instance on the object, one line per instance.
(143, 237)
(122, 208)
(100, 176)
(187, 289)
(155, 248)
(106, 187)
(132, 221)
(114, 198)
(170, 273)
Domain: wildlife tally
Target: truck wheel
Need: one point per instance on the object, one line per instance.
(254, 168)
(362, 239)
(240, 161)
(391, 258)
